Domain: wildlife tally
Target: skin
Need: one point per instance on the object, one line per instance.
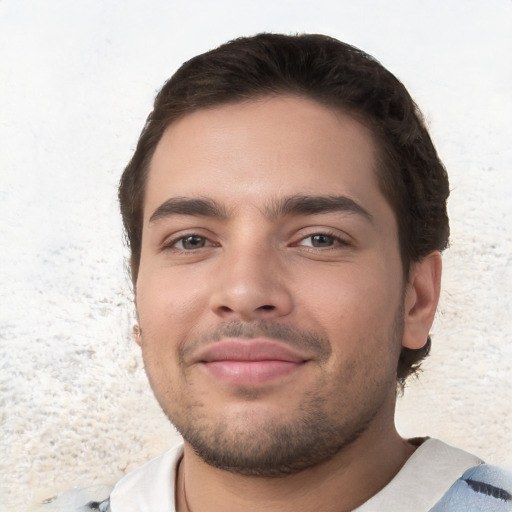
(325, 285)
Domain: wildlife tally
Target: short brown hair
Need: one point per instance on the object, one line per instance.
(411, 175)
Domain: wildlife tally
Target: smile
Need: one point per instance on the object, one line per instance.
(249, 362)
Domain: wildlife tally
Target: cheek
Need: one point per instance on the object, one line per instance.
(357, 294)
(165, 299)
(357, 310)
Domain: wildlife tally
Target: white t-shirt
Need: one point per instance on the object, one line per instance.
(419, 485)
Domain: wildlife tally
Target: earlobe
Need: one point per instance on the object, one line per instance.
(421, 298)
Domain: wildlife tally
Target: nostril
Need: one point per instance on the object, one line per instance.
(267, 307)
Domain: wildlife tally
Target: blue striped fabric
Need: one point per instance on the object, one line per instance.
(483, 488)
(98, 506)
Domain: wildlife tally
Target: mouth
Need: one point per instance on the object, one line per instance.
(249, 362)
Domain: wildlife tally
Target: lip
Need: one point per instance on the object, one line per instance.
(249, 362)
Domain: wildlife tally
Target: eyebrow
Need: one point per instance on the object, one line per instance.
(188, 206)
(292, 205)
(310, 205)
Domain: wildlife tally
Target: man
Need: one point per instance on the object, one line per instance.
(286, 213)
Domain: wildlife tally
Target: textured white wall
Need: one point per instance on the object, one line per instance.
(76, 82)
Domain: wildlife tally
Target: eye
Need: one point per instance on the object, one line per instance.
(190, 242)
(325, 240)
(321, 240)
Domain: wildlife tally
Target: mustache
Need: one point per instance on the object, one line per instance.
(310, 341)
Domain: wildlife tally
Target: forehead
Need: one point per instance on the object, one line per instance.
(247, 153)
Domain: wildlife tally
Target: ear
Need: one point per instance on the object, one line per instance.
(136, 334)
(136, 330)
(421, 298)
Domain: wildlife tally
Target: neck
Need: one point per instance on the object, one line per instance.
(340, 484)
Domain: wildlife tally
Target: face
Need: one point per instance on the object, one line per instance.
(270, 291)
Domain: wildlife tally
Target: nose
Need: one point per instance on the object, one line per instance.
(251, 285)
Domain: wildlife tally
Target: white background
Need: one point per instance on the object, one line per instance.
(77, 79)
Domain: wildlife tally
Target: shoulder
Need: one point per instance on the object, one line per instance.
(87, 499)
(424, 478)
(149, 487)
(482, 487)
(145, 488)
